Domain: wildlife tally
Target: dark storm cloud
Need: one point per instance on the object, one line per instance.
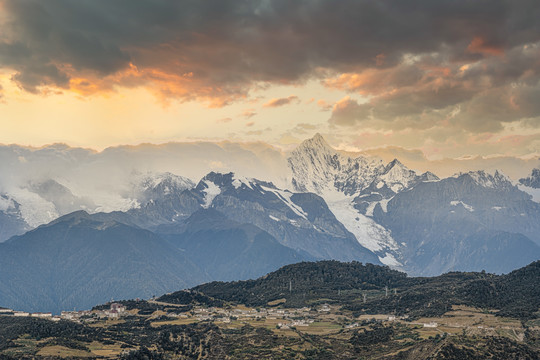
(222, 48)
(479, 96)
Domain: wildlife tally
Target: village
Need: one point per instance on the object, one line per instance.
(286, 317)
(320, 318)
(115, 311)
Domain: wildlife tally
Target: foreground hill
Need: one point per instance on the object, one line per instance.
(385, 290)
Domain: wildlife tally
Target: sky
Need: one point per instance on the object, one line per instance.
(452, 78)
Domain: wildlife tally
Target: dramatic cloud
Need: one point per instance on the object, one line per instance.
(220, 49)
(282, 101)
(430, 90)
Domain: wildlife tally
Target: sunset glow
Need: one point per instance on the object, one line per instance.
(451, 80)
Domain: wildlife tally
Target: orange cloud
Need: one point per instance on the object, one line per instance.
(281, 101)
(478, 45)
(324, 105)
(163, 84)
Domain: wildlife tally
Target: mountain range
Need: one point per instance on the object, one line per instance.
(168, 231)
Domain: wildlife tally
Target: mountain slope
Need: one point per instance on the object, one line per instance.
(301, 221)
(227, 250)
(77, 262)
(475, 221)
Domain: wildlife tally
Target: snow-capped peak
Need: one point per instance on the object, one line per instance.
(482, 178)
(397, 176)
(316, 167)
(317, 142)
(239, 181)
(166, 180)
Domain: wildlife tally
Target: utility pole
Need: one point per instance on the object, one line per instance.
(364, 296)
(290, 286)
(386, 291)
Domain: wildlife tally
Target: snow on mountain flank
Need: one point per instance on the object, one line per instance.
(285, 196)
(339, 179)
(211, 191)
(389, 260)
(238, 181)
(368, 233)
(34, 209)
(466, 206)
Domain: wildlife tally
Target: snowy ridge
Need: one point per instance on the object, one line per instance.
(497, 180)
(285, 196)
(238, 181)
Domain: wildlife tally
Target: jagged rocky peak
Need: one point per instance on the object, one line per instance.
(166, 182)
(533, 180)
(482, 178)
(317, 142)
(398, 175)
(317, 167)
(429, 176)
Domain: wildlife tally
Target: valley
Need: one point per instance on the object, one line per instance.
(189, 324)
